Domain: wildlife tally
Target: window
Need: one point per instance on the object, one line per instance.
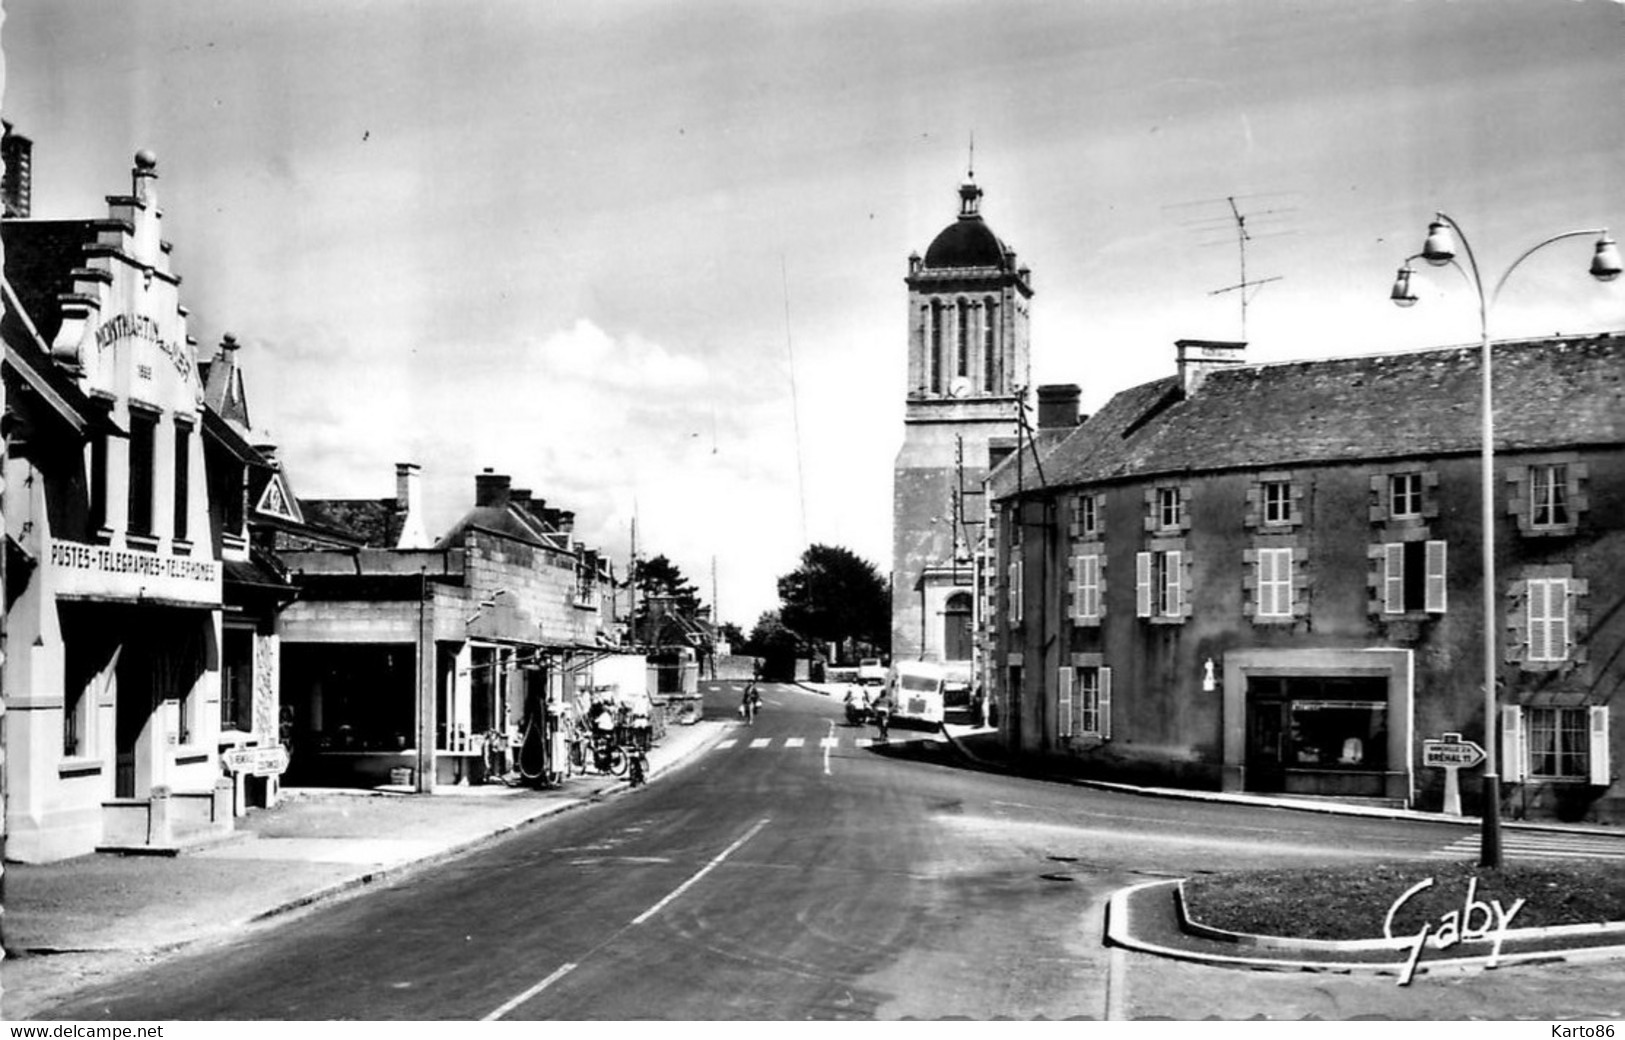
(1160, 584)
(1559, 739)
(1088, 516)
(1404, 495)
(1014, 591)
(1274, 583)
(1413, 577)
(1086, 587)
(1167, 516)
(1277, 502)
(183, 461)
(962, 346)
(1549, 496)
(1084, 700)
(143, 432)
(237, 680)
(1548, 619)
(990, 344)
(935, 354)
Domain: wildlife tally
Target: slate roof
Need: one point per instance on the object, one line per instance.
(27, 355)
(1549, 393)
(41, 256)
(510, 520)
(375, 522)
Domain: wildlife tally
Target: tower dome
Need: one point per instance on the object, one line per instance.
(968, 241)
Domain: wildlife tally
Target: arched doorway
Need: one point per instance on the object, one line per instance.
(956, 628)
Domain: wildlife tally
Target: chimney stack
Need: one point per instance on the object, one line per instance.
(1200, 358)
(491, 490)
(409, 505)
(1058, 406)
(16, 185)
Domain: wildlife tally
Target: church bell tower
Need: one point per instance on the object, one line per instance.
(968, 367)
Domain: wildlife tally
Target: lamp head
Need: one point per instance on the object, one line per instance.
(1605, 264)
(1440, 247)
(1401, 293)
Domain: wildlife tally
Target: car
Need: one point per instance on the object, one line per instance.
(871, 672)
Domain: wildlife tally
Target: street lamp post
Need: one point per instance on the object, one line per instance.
(1440, 250)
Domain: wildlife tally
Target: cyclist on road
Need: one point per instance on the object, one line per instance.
(750, 703)
(881, 710)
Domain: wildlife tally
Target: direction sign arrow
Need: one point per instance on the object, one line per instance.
(1454, 754)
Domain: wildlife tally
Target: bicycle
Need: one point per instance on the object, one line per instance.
(637, 765)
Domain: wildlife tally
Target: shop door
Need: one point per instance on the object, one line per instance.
(1266, 740)
(956, 635)
(133, 712)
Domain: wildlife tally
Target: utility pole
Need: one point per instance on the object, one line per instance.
(5, 757)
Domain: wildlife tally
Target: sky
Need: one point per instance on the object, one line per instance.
(648, 258)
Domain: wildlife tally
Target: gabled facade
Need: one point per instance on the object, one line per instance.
(1266, 577)
(112, 675)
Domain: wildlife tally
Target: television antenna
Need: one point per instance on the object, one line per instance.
(1245, 288)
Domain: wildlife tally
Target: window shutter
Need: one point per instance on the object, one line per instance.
(1105, 702)
(1142, 584)
(1020, 592)
(1089, 587)
(1540, 631)
(1266, 582)
(1435, 578)
(1393, 578)
(1514, 757)
(1077, 588)
(1176, 592)
(1599, 745)
(1557, 596)
(1064, 696)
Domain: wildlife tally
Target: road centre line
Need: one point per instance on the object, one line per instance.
(684, 887)
(563, 970)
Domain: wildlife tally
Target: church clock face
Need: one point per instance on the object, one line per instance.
(960, 387)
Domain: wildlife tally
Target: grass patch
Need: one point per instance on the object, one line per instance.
(1351, 902)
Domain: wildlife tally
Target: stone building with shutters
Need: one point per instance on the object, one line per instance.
(1267, 577)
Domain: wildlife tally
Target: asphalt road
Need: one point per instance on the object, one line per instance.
(781, 876)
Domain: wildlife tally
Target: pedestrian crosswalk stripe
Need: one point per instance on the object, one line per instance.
(857, 742)
(1540, 845)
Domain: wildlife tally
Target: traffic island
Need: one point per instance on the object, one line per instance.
(1156, 918)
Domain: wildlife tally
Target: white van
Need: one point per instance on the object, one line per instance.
(924, 691)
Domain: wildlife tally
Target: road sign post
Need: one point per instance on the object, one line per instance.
(1452, 754)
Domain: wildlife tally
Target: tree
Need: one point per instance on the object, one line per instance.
(775, 646)
(658, 576)
(730, 633)
(836, 595)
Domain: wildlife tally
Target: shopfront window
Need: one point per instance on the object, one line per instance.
(237, 681)
(1336, 734)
